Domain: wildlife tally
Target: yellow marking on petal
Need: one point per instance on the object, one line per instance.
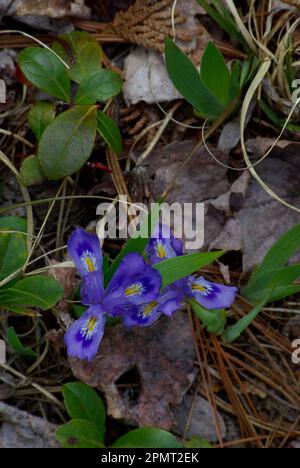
(89, 328)
(90, 265)
(160, 250)
(92, 324)
(134, 290)
(149, 308)
(198, 287)
(89, 260)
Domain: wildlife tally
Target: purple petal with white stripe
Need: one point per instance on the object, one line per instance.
(146, 314)
(135, 282)
(163, 245)
(83, 338)
(85, 250)
(212, 295)
(140, 316)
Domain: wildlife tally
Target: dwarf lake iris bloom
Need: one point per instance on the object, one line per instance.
(211, 296)
(134, 284)
(163, 245)
(144, 315)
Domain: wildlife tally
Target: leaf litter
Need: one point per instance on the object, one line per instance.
(160, 385)
(239, 217)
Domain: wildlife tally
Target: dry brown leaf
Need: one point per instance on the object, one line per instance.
(258, 220)
(239, 216)
(201, 181)
(19, 429)
(53, 8)
(163, 358)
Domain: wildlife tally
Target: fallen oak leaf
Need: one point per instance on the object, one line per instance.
(162, 355)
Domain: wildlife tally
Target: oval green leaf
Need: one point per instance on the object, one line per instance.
(36, 291)
(44, 70)
(198, 442)
(186, 79)
(82, 52)
(68, 142)
(15, 343)
(31, 171)
(147, 438)
(13, 252)
(100, 86)
(215, 74)
(13, 223)
(40, 116)
(79, 434)
(83, 402)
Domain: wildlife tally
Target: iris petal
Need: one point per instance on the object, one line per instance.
(163, 245)
(146, 314)
(212, 295)
(83, 338)
(134, 282)
(92, 289)
(85, 250)
(170, 301)
(141, 316)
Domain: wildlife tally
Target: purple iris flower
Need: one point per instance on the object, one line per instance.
(211, 296)
(135, 283)
(144, 315)
(163, 245)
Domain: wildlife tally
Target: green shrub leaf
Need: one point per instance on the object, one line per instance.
(13, 252)
(272, 285)
(283, 250)
(100, 86)
(197, 442)
(82, 53)
(44, 70)
(147, 438)
(17, 346)
(36, 291)
(31, 171)
(13, 223)
(272, 280)
(68, 142)
(83, 402)
(79, 434)
(41, 115)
